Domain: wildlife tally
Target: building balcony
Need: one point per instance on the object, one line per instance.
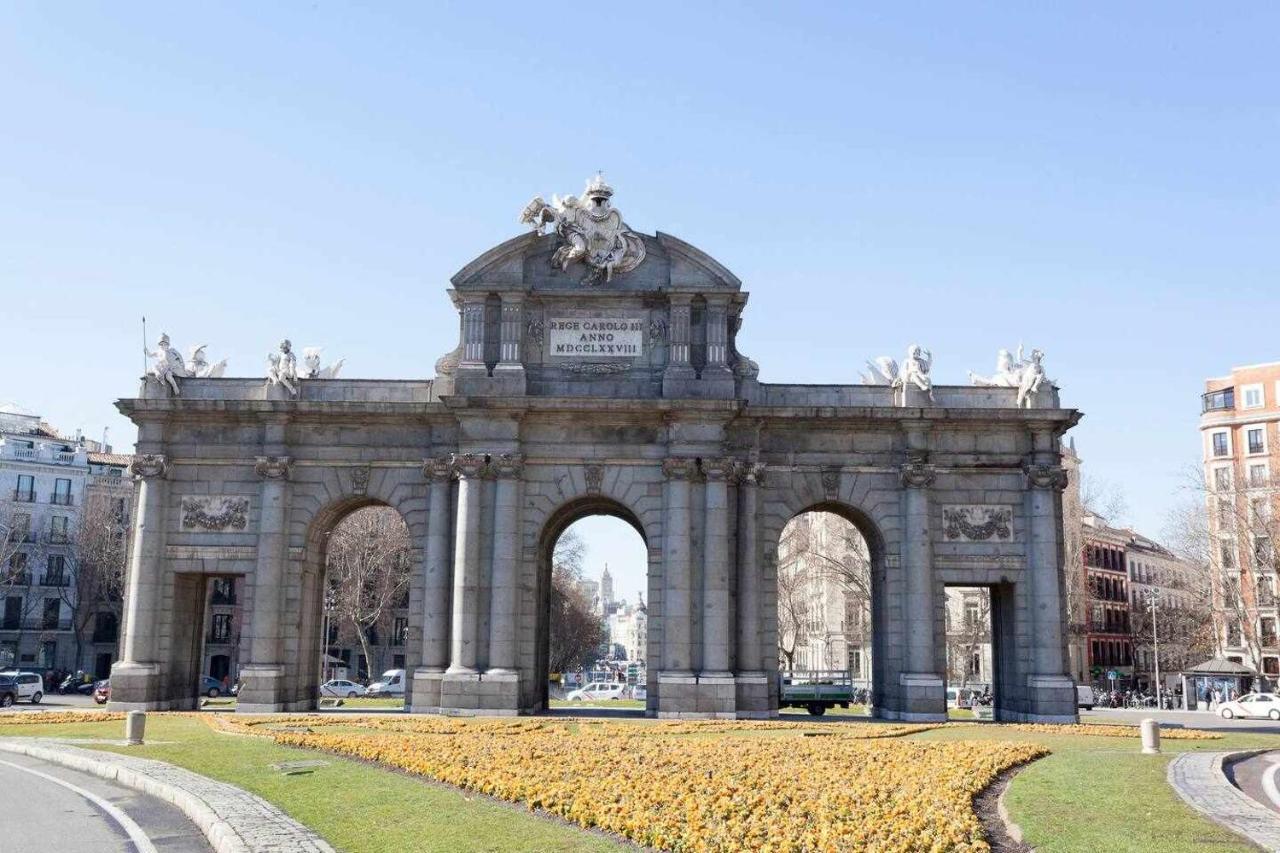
(61, 500)
(55, 579)
(43, 454)
(16, 579)
(1218, 401)
(24, 497)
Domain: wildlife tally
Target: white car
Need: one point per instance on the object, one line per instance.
(599, 690)
(30, 685)
(391, 684)
(342, 687)
(1252, 705)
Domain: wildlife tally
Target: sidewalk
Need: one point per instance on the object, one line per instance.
(1199, 780)
(233, 820)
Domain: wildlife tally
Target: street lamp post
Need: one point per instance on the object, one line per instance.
(1154, 598)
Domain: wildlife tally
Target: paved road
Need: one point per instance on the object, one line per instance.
(1187, 719)
(49, 807)
(1257, 777)
(58, 702)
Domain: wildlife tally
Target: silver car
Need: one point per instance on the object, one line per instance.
(341, 687)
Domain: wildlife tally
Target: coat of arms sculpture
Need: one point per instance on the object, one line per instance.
(590, 229)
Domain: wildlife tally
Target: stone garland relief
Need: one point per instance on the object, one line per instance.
(215, 514)
(977, 523)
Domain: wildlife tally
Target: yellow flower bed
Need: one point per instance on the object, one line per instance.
(24, 718)
(1098, 730)
(842, 791)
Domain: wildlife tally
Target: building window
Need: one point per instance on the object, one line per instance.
(1218, 400)
(1221, 444)
(58, 529)
(1257, 439)
(12, 613)
(1222, 479)
(1227, 554)
(26, 491)
(1259, 510)
(221, 631)
(106, 627)
(1263, 554)
(1266, 591)
(48, 654)
(55, 573)
(224, 591)
(52, 612)
(61, 492)
(20, 529)
(399, 631)
(1271, 666)
(1268, 631)
(1252, 396)
(1258, 475)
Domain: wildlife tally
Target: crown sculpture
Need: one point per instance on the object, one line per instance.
(591, 231)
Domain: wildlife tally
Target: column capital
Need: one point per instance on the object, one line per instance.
(723, 469)
(149, 465)
(468, 466)
(1045, 476)
(506, 466)
(916, 472)
(437, 468)
(678, 468)
(752, 473)
(273, 467)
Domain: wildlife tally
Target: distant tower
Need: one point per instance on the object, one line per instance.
(606, 589)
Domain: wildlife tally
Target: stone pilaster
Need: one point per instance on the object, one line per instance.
(472, 332)
(136, 677)
(435, 588)
(262, 678)
(504, 598)
(677, 638)
(1051, 689)
(510, 332)
(469, 468)
(921, 687)
(752, 682)
(679, 365)
(716, 616)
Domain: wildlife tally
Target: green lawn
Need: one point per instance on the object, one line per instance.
(1092, 794)
(355, 806)
(1101, 794)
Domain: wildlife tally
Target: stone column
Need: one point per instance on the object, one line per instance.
(923, 695)
(435, 588)
(263, 675)
(1052, 691)
(505, 595)
(677, 638)
(715, 571)
(717, 333)
(469, 468)
(749, 656)
(136, 675)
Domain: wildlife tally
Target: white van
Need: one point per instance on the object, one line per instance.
(30, 685)
(1085, 697)
(390, 684)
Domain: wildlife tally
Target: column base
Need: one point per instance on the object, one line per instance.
(425, 696)
(137, 687)
(687, 696)
(1051, 698)
(262, 690)
(923, 699)
(751, 696)
(493, 693)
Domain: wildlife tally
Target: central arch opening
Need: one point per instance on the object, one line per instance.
(827, 651)
(594, 593)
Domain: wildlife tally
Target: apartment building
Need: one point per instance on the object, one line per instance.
(1239, 435)
(1108, 643)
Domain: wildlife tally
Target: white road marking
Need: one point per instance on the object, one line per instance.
(139, 838)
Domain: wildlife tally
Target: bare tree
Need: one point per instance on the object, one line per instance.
(95, 576)
(22, 547)
(967, 632)
(368, 562)
(576, 629)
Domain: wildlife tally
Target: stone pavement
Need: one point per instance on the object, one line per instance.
(233, 820)
(1200, 781)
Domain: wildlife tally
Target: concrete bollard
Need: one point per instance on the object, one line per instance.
(135, 724)
(1150, 737)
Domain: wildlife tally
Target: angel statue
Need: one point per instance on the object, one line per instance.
(200, 366)
(1025, 374)
(167, 366)
(311, 368)
(914, 371)
(282, 368)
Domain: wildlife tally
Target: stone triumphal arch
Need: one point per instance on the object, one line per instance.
(597, 370)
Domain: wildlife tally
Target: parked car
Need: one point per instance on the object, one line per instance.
(1252, 705)
(391, 684)
(210, 686)
(599, 690)
(1085, 697)
(8, 691)
(28, 686)
(102, 692)
(342, 687)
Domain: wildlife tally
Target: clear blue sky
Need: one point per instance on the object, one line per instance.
(1101, 183)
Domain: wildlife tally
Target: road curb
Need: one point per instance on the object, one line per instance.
(241, 823)
(1199, 779)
